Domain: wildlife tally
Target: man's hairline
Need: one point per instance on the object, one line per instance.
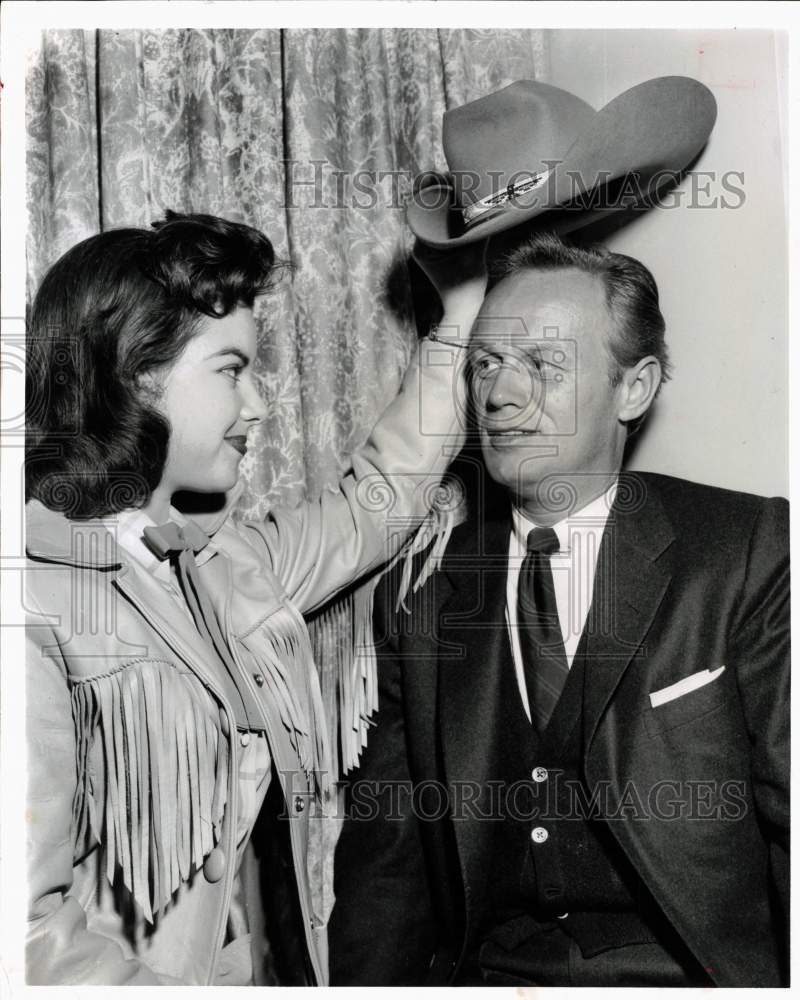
(616, 370)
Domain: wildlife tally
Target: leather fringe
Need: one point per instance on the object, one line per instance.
(162, 757)
(342, 632)
(281, 646)
(435, 531)
(345, 651)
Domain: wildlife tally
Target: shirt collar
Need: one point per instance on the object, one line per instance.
(130, 537)
(591, 517)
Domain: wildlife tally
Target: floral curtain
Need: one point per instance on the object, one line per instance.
(313, 136)
(310, 135)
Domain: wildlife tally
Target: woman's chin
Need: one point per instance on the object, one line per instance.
(216, 484)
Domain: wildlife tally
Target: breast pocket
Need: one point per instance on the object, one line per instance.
(688, 707)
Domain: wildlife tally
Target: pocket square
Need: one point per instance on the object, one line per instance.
(684, 686)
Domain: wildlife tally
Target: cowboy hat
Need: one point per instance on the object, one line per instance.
(533, 150)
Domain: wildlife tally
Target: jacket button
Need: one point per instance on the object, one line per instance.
(259, 679)
(539, 835)
(223, 722)
(539, 774)
(214, 865)
(299, 803)
(561, 916)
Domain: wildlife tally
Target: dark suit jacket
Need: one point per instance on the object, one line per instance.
(689, 578)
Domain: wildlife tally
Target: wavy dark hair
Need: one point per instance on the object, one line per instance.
(114, 307)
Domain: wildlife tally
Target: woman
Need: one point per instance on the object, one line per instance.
(171, 686)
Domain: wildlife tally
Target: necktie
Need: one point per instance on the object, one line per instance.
(541, 642)
(181, 542)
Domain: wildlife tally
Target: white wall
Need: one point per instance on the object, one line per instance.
(722, 274)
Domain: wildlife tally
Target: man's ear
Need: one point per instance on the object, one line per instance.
(638, 388)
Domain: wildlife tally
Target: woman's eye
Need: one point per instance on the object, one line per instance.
(233, 372)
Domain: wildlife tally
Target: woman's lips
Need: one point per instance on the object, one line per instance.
(239, 442)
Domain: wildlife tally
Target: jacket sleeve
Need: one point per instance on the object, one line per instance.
(382, 929)
(759, 651)
(319, 547)
(60, 949)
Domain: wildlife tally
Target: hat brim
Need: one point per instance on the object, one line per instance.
(632, 147)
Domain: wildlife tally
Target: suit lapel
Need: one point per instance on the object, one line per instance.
(629, 586)
(473, 653)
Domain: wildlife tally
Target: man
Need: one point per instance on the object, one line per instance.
(579, 773)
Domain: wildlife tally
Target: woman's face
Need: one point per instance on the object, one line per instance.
(211, 401)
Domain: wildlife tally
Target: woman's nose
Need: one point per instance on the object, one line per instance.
(254, 408)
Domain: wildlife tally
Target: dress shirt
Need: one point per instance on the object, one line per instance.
(573, 566)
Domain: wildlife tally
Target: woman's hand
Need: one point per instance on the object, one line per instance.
(459, 276)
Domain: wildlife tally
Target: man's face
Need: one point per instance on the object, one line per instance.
(546, 410)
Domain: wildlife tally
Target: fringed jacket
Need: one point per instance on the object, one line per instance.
(134, 832)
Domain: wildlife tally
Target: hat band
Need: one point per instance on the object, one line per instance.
(471, 213)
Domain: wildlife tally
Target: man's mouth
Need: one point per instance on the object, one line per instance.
(239, 442)
(509, 436)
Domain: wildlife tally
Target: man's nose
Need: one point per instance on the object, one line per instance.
(510, 387)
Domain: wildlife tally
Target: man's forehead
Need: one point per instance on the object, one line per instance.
(540, 304)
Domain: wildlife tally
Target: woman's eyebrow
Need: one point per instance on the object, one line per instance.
(230, 350)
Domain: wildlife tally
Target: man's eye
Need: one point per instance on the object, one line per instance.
(483, 367)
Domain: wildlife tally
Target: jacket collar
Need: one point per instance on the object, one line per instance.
(637, 518)
(53, 537)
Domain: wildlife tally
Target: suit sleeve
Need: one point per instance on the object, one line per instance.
(319, 547)
(60, 949)
(382, 930)
(760, 654)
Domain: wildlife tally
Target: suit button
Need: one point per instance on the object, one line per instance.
(539, 835)
(223, 722)
(561, 916)
(299, 803)
(214, 865)
(539, 774)
(244, 739)
(259, 679)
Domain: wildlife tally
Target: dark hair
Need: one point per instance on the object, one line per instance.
(118, 305)
(631, 295)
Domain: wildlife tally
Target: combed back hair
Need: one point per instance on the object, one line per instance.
(113, 308)
(631, 295)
